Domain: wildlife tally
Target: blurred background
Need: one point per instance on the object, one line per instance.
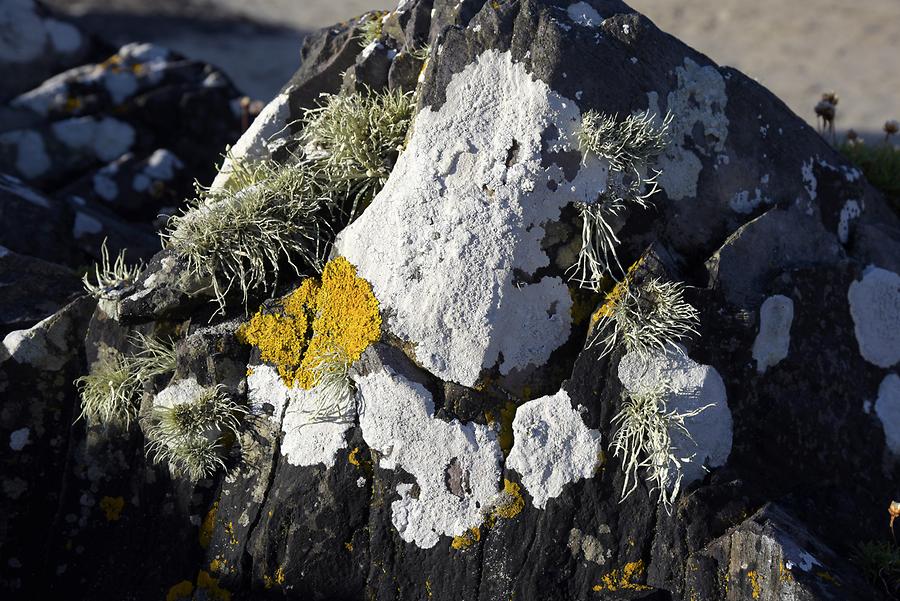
(797, 48)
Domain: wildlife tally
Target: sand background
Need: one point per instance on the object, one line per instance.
(797, 48)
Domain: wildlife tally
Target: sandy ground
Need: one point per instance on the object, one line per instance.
(797, 48)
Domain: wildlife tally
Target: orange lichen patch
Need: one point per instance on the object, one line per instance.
(281, 339)
(615, 296)
(347, 316)
(583, 303)
(472, 536)
(319, 322)
(505, 435)
(208, 525)
(229, 530)
(218, 565)
(349, 547)
(182, 591)
(624, 579)
(72, 104)
(277, 579)
(512, 502)
(828, 577)
(209, 584)
(784, 574)
(112, 507)
(753, 577)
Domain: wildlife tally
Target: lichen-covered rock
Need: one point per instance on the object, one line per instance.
(479, 459)
(36, 45)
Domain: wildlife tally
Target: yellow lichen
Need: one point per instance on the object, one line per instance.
(753, 577)
(112, 507)
(229, 530)
(353, 457)
(182, 591)
(219, 564)
(209, 584)
(349, 547)
(208, 525)
(784, 574)
(472, 536)
(512, 504)
(339, 316)
(624, 579)
(278, 578)
(505, 436)
(428, 587)
(828, 577)
(73, 103)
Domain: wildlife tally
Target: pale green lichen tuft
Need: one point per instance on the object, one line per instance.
(643, 442)
(371, 29)
(109, 393)
(189, 436)
(353, 141)
(241, 235)
(646, 316)
(629, 146)
(111, 279)
(268, 215)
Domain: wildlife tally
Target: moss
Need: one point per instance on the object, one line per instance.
(339, 315)
(208, 525)
(182, 591)
(624, 579)
(112, 507)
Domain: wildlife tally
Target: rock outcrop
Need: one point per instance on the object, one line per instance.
(478, 460)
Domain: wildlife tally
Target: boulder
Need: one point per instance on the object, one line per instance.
(479, 456)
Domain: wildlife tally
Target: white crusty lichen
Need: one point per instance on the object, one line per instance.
(674, 423)
(553, 447)
(308, 439)
(875, 309)
(887, 408)
(456, 467)
(774, 338)
(466, 206)
(698, 104)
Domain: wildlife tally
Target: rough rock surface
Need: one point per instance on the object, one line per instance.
(478, 463)
(110, 145)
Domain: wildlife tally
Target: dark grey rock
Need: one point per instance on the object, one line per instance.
(32, 289)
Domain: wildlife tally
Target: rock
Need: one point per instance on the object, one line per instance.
(36, 45)
(32, 223)
(478, 459)
(31, 289)
(772, 556)
(142, 98)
